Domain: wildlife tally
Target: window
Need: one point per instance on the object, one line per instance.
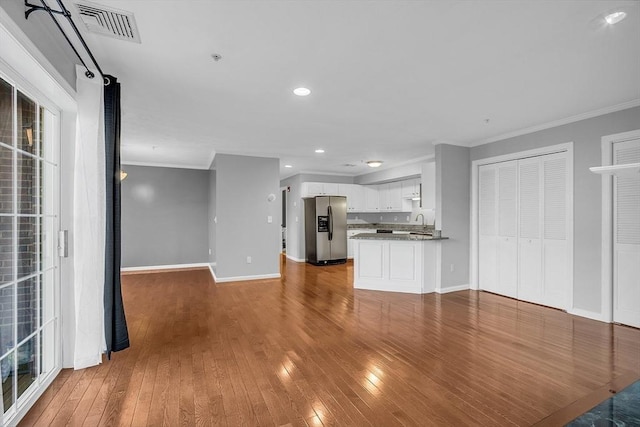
(29, 215)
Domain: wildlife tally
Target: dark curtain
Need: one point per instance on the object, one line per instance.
(116, 333)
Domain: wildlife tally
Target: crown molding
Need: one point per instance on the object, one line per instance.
(571, 119)
(164, 165)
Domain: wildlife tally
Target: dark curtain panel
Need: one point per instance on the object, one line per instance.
(116, 333)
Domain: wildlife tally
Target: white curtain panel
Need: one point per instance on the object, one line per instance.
(89, 210)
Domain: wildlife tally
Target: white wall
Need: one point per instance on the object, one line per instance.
(586, 137)
(243, 184)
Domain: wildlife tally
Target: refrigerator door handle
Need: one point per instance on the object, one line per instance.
(330, 212)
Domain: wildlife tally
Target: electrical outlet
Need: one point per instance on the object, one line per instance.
(296, 219)
(451, 268)
(380, 217)
(408, 218)
(269, 219)
(209, 251)
(248, 260)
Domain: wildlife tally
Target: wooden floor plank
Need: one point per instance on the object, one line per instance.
(308, 349)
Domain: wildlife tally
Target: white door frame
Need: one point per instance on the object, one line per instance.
(606, 309)
(473, 250)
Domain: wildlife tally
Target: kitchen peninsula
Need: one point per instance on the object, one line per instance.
(397, 262)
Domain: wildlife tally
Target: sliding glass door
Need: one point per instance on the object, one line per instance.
(29, 220)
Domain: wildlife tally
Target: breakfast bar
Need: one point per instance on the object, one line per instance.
(396, 262)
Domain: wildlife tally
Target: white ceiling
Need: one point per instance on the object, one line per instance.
(388, 78)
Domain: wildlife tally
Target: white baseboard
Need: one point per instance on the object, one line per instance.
(295, 259)
(213, 273)
(165, 267)
(243, 278)
(588, 314)
(452, 289)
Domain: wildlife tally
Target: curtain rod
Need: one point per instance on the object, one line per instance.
(65, 12)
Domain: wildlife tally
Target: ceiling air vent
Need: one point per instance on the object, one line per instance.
(109, 22)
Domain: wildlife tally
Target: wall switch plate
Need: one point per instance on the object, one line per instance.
(209, 251)
(295, 204)
(248, 260)
(269, 219)
(451, 268)
(296, 219)
(408, 218)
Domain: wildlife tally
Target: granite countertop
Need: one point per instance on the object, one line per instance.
(391, 227)
(392, 236)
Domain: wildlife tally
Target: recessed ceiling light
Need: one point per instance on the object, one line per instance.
(615, 17)
(301, 91)
(319, 151)
(374, 163)
(288, 166)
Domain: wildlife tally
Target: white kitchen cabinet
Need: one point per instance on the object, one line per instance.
(371, 199)
(396, 266)
(355, 196)
(410, 188)
(312, 189)
(351, 242)
(390, 197)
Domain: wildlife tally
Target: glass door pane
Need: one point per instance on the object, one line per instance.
(29, 220)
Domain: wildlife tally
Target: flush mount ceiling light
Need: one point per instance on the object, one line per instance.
(374, 163)
(301, 91)
(615, 17)
(319, 151)
(288, 166)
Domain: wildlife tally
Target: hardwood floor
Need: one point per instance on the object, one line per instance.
(309, 350)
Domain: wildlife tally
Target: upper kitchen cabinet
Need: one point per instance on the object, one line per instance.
(390, 197)
(312, 189)
(371, 199)
(428, 197)
(411, 188)
(355, 196)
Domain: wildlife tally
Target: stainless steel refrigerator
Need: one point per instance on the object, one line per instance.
(325, 225)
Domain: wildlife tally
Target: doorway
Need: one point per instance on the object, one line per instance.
(283, 224)
(29, 221)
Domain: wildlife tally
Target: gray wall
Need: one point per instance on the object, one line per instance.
(586, 137)
(452, 215)
(211, 217)
(242, 186)
(41, 30)
(164, 216)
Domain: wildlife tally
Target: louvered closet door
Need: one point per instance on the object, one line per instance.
(555, 254)
(626, 237)
(529, 230)
(507, 228)
(488, 229)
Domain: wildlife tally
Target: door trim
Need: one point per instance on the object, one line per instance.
(606, 309)
(474, 239)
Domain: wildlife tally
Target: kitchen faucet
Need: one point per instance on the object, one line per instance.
(422, 218)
